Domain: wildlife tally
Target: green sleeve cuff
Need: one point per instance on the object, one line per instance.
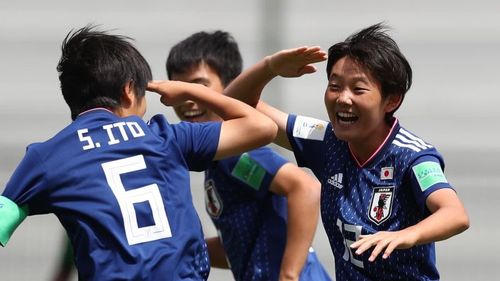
(11, 216)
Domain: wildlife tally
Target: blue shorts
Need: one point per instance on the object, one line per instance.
(313, 270)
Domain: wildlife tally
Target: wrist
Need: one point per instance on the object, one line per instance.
(268, 61)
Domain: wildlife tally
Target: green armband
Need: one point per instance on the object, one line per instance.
(11, 216)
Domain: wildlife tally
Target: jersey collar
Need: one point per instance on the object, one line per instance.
(95, 110)
(394, 129)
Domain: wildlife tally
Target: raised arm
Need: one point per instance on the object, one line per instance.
(243, 128)
(248, 86)
(303, 195)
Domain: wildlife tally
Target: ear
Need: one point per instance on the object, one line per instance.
(127, 97)
(393, 101)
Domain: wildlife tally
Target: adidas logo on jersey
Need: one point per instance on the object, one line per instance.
(336, 180)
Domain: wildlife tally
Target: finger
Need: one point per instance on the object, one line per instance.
(364, 236)
(153, 86)
(376, 251)
(390, 248)
(313, 49)
(164, 101)
(296, 51)
(360, 241)
(317, 56)
(301, 49)
(364, 245)
(307, 69)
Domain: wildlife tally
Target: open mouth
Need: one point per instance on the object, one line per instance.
(346, 117)
(192, 114)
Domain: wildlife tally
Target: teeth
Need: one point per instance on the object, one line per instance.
(193, 113)
(346, 115)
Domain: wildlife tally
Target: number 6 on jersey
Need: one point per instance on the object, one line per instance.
(126, 199)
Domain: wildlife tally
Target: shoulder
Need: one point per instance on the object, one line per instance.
(409, 142)
(158, 121)
(309, 128)
(410, 148)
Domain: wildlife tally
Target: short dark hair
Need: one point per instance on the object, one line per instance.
(379, 53)
(217, 49)
(95, 66)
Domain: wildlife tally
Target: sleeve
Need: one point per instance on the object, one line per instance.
(256, 169)
(11, 216)
(426, 176)
(28, 185)
(307, 137)
(198, 142)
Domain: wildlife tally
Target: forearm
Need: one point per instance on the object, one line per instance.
(240, 120)
(225, 107)
(248, 86)
(442, 224)
(303, 210)
(448, 217)
(216, 252)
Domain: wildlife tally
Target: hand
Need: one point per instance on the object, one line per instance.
(295, 62)
(172, 92)
(386, 241)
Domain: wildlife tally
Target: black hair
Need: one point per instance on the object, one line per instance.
(378, 52)
(217, 49)
(95, 66)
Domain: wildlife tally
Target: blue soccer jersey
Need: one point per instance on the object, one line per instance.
(252, 221)
(121, 189)
(387, 193)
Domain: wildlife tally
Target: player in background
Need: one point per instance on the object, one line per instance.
(385, 199)
(264, 208)
(120, 186)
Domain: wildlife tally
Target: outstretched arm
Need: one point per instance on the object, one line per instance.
(303, 195)
(448, 218)
(248, 86)
(239, 118)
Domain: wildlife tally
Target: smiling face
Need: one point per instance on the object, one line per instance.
(356, 107)
(201, 74)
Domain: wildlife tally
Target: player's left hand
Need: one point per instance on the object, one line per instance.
(295, 62)
(384, 241)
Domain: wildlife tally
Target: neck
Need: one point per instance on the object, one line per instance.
(364, 150)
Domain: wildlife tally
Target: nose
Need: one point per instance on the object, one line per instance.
(189, 104)
(344, 97)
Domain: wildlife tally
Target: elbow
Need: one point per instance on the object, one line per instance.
(268, 130)
(314, 191)
(463, 223)
(309, 190)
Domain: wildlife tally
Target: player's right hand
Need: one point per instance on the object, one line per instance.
(171, 92)
(295, 62)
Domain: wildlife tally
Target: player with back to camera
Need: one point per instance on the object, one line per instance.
(120, 186)
(265, 208)
(385, 199)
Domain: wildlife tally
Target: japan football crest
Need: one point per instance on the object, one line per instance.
(213, 204)
(381, 204)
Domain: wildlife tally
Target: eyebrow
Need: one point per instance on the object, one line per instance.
(358, 78)
(200, 80)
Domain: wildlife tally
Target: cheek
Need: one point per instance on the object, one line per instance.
(329, 99)
(178, 112)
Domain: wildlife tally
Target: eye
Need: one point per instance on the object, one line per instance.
(360, 90)
(333, 87)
